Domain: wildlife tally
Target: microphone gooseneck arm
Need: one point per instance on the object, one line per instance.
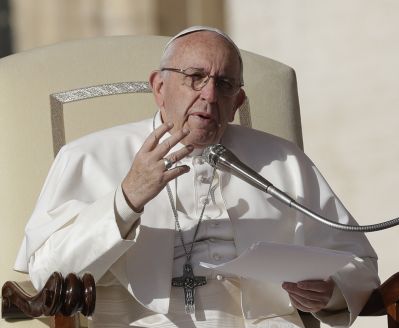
(221, 158)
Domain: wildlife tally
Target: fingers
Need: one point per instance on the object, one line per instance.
(165, 146)
(161, 149)
(178, 155)
(155, 136)
(171, 174)
(304, 305)
(293, 289)
(320, 286)
(148, 174)
(310, 295)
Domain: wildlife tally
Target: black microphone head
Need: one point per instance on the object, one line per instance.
(212, 153)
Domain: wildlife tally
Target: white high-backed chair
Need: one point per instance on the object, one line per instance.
(54, 94)
(39, 112)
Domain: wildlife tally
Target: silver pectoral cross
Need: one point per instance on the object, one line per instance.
(189, 282)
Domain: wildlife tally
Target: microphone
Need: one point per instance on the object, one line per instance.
(223, 159)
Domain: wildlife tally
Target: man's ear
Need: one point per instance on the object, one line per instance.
(156, 83)
(240, 98)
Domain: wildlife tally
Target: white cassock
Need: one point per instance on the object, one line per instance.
(80, 220)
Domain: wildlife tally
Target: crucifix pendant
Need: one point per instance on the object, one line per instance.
(188, 281)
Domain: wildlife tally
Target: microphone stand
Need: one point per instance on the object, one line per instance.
(221, 158)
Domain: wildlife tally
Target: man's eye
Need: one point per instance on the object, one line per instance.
(225, 84)
(197, 77)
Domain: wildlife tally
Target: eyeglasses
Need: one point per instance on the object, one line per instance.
(197, 78)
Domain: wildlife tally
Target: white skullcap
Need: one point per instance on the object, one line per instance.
(198, 28)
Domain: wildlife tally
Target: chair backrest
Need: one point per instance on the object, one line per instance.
(34, 125)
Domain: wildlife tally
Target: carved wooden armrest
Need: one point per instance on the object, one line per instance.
(385, 300)
(59, 296)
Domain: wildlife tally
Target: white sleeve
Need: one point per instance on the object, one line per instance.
(74, 226)
(126, 217)
(353, 285)
(358, 279)
(90, 242)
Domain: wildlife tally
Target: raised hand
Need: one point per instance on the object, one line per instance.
(148, 174)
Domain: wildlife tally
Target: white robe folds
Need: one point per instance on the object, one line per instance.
(73, 227)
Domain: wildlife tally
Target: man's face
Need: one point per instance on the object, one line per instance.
(205, 112)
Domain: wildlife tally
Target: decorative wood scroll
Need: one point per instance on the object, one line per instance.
(59, 296)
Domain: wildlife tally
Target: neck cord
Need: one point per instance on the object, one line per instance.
(177, 223)
(176, 214)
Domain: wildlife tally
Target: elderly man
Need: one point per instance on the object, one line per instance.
(137, 206)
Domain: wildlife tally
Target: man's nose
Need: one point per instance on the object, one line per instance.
(209, 91)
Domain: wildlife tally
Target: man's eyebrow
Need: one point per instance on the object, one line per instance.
(204, 70)
(197, 68)
(227, 77)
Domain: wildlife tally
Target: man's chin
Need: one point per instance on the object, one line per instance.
(199, 139)
(200, 143)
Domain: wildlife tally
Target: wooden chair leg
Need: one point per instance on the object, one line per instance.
(392, 323)
(393, 315)
(59, 321)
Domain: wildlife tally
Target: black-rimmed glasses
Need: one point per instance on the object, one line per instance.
(197, 78)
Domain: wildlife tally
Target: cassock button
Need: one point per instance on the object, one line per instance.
(199, 160)
(216, 257)
(219, 277)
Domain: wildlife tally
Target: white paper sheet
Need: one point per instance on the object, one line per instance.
(273, 262)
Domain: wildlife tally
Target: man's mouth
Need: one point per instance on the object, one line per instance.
(203, 116)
